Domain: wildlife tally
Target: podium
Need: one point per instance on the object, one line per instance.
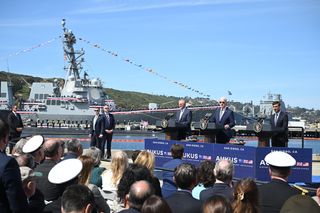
(263, 132)
(169, 127)
(208, 129)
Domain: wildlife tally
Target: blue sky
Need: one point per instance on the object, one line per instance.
(249, 47)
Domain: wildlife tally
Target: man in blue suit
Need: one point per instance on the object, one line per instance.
(108, 126)
(279, 126)
(183, 120)
(223, 118)
(12, 196)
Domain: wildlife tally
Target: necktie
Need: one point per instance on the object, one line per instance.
(181, 112)
(221, 114)
(276, 118)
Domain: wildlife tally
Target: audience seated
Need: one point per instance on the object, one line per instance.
(17, 149)
(74, 149)
(275, 193)
(300, 203)
(134, 155)
(12, 196)
(246, 198)
(217, 204)
(155, 204)
(95, 153)
(84, 176)
(182, 200)
(139, 192)
(53, 151)
(205, 177)
(147, 159)
(168, 186)
(77, 198)
(25, 160)
(223, 172)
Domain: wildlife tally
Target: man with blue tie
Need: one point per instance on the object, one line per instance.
(183, 120)
(223, 118)
(109, 125)
(279, 126)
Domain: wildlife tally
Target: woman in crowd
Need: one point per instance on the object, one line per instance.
(84, 178)
(217, 204)
(147, 159)
(95, 153)
(205, 177)
(155, 204)
(246, 197)
(111, 177)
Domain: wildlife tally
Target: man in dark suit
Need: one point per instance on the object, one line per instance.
(279, 126)
(16, 127)
(223, 118)
(274, 194)
(12, 196)
(183, 120)
(223, 172)
(96, 128)
(108, 126)
(182, 201)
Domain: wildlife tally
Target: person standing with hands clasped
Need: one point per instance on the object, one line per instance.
(223, 117)
(279, 126)
(109, 125)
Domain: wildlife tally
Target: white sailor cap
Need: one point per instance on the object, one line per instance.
(64, 171)
(33, 144)
(280, 159)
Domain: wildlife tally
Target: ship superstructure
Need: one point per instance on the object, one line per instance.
(72, 102)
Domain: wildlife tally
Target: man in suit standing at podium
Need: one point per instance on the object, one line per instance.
(279, 126)
(16, 127)
(109, 125)
(223, 118)
(183, 119)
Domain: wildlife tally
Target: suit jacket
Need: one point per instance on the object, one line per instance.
(183, 124)
(108, 125)
(183, 202)
(227, 118)
(280, 136)
(99, 125)
(222, 189)
(12, 196)
(168, 186)
(274, 194)
(14, 122)
(130, 210)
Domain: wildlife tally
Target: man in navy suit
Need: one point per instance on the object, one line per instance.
(223, 118)
(279, 126)
(108, 126)
(12, 196)
(96, 128)
(16, 127)
(183, 120)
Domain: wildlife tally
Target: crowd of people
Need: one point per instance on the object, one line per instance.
(50, 175)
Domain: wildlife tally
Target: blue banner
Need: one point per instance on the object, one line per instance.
(301, 172)
(248, 161)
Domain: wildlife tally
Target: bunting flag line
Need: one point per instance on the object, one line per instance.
(29, 49)
(142, 67)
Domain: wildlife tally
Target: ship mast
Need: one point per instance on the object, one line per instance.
(74, 58)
